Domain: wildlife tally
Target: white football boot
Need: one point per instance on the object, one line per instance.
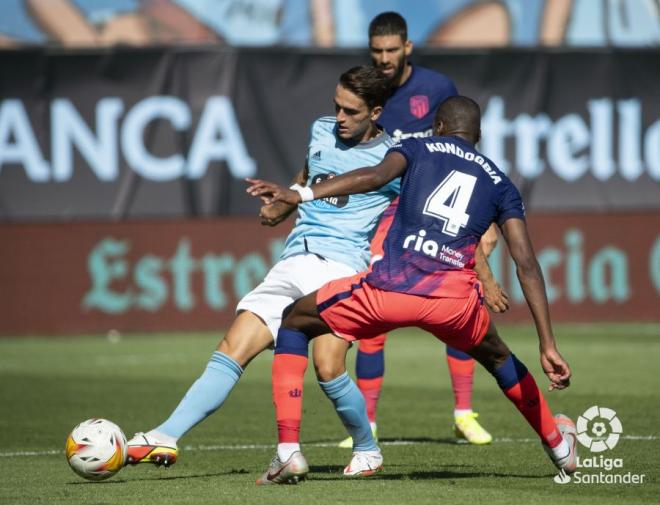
(291, 471)
(364, 464)
(567, 461)
(147, 448)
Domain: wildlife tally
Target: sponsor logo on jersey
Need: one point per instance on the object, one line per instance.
(419, 105)
(335, 201)
(399, 135)
(431, 248)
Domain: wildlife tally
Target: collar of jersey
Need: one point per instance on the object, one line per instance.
(378, 139)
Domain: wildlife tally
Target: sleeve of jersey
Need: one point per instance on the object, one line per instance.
(511, 204)
(316, 131)
(405, 147)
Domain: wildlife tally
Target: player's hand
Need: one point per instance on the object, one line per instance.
(556, 369)
(274, 213)
(495, 297)
(270, 192)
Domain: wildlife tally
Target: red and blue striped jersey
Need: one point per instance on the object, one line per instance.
(450, 194)
(409, 112)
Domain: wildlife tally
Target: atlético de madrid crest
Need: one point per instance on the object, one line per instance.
(419, 106)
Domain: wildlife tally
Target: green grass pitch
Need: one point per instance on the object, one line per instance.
(49, 385)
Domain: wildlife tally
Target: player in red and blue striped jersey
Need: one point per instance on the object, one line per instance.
(409, 114)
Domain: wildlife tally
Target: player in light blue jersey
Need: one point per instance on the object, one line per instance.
(339, 228)
(330, 240)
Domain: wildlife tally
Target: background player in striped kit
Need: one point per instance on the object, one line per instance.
(408, 113)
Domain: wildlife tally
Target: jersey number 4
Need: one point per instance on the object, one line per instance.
(449, 201)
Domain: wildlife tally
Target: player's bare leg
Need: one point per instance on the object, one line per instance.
(246, 338)
(557, 433)
(330, 364)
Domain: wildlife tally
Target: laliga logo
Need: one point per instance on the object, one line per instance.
(598, 429)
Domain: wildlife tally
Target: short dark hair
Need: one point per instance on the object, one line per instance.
(388, 23)
(369, 83)
(460, 114)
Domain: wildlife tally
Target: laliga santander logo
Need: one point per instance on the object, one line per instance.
(598, 429)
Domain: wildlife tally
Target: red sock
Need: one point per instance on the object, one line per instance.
(370, 389)
(461, 372)
(529, 400)
(288, 377)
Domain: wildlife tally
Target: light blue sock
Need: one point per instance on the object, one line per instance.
(205, 396)
(349, 404)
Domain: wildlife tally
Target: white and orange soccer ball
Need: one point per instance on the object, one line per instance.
(96, 449)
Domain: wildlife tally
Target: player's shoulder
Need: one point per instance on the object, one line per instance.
(323, 126)
(496, 174)
(490, 164)
(433, 77)
(408, 146)
(412, 142)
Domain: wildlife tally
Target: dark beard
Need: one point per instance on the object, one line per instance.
(394, 80)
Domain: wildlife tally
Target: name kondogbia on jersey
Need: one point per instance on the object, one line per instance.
(450, 148)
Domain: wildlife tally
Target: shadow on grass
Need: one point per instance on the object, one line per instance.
(394, 441)
(333, 472)
(420, 440)
(161, 478)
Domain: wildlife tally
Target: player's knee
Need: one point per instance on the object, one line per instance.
(242, 342)
(498, 358)
(289, 315)
(327, 370)
(492, 352)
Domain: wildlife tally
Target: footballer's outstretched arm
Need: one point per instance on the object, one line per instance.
(531, 279)
(272, 214)
(361, 180)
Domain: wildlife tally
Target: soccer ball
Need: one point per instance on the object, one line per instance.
(96, 449)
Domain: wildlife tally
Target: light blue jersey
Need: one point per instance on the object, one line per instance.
(340, 228)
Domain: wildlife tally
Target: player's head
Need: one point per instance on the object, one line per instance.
(359, 99)
(389, 44)
(458, 115)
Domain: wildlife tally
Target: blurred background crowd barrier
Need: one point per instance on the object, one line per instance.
(127, 128)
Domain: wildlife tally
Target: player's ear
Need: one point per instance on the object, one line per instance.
(376, 112)
(408, 48)
(438, 128)
(478, 136)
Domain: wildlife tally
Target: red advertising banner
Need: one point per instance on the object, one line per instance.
(189, 274)
(130, 276)
(597, 267)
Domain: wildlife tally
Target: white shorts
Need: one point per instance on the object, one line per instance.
(287, 281)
